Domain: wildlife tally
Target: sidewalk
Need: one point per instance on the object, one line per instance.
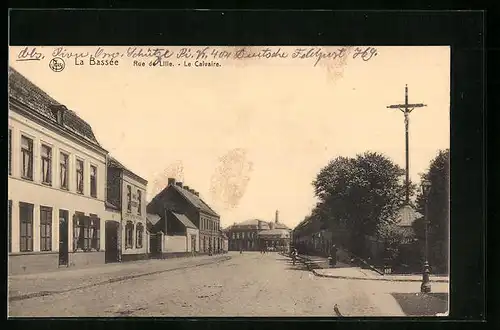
(33, 285)
(319, 266)
(366, 274)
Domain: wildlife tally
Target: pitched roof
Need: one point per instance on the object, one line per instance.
(24, 91)
(279, 225)
(153, 218)
(273, 232)
(252, 223)
(113, 162)
(196, 201)
(406, 216)
(184, 220)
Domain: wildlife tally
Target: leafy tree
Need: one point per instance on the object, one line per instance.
(360, 193)
(438, 210)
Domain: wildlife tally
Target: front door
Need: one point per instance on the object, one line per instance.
(112, 251)
(63, 238)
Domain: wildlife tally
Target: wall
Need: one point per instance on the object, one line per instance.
(114, 186)
(174, 243)
(34, 192)
(190, 233)
(47, 262)
(136, 215)
(209, 232)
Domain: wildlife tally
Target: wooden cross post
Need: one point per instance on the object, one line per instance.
(406, 108)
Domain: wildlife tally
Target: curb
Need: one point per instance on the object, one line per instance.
(374, 278)
(112, 280)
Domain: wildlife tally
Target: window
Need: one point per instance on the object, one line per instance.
(129, 199)
(9, 215)
(86, 232)
(26, 227)
(234, 235)
(45, 228)
(63, 170)
(79, 176)
(27, 158)
(129, 235)
(139, 203)
(46, 164)
(95, 232)
(93, 181)
(139, 232)
(10, 152)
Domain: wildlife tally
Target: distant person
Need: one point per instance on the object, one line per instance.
(333, 255)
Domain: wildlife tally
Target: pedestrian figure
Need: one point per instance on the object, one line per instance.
(333, 256)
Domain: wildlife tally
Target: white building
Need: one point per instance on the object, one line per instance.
(126, 194)
(56, 184)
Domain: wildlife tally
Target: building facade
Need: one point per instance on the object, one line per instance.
(56, 183)
(183, 200)
(256, 234)
(126, 192)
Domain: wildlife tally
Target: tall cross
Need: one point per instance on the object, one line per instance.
(406, 108)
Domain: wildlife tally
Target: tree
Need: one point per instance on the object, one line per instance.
(392, 237)
(360, 192)
(438, 209)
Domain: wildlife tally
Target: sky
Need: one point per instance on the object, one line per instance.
(251, 135)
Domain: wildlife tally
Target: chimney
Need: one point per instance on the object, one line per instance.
(197, 193)
(187, 188)
(276, 216)
(171, 181)
(192, 191)
(179, 184)
(259, 224)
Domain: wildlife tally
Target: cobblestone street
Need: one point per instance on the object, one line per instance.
(248, 284)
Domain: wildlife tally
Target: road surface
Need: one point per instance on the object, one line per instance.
(248, 284)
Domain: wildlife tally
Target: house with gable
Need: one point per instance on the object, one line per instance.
(56, 183)
(187, 222)
(126, 193)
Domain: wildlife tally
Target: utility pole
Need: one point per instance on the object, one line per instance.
(406, 108)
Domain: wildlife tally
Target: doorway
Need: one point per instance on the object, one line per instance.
(155, 245)
(112, 251)
(63, 238)
(193, 243)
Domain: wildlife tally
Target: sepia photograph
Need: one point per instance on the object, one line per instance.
(228, 181)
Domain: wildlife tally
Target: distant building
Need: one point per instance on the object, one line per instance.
(126, 193)
(177, 201)
(56, 183)
(256, 234)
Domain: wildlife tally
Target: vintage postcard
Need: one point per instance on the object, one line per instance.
(228, 181)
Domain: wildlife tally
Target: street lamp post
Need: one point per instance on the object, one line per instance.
(426, 283)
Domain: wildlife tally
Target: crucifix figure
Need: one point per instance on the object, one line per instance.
(406, 108)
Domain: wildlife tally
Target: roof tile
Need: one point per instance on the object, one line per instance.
(27, 93)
